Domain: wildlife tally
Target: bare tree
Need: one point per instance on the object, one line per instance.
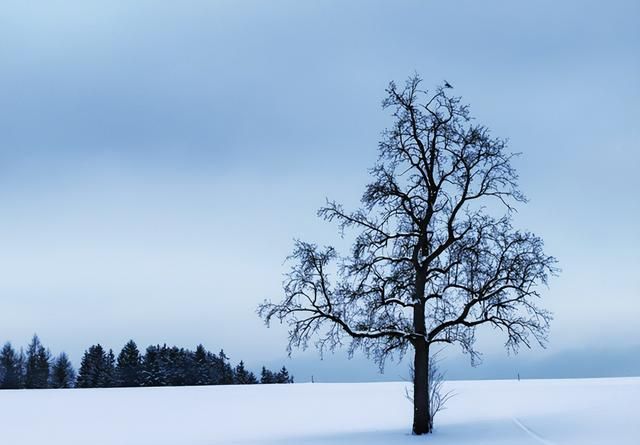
(434, 254)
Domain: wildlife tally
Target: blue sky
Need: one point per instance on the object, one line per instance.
(158, 158)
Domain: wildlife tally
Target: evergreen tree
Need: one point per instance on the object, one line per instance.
(242, 376)
(129, 366)
(202, 367)
(62, 373)
(10, 372)
(266, 376)
(37, 367)
(170, 366)
(283, 376)
(108, 376)
(22, 367)
(151, 367)
(224, 370)
(92, 368)
(176, 364)
(163, 366)
(186, 363)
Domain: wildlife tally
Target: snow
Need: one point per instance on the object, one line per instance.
(529, 412)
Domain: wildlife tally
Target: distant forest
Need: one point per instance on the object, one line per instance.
(157, 366)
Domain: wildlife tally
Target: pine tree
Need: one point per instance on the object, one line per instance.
(266, 376)
(22, 368)
(162, 366)
(10, 373)
(186, 364)
(201, 366)
(176, 364)
(225, 371)
(129, 366)
(62, 372)
(242, 376)
(37, 369)
(283, 376)
(151, 367)
(108, 375)
(92, 368)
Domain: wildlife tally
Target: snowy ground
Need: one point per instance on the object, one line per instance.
(590, 411)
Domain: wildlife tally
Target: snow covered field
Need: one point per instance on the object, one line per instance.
(580, 412)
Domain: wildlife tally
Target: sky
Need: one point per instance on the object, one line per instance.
(157, 160)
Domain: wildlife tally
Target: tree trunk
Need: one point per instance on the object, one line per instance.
(421, 413)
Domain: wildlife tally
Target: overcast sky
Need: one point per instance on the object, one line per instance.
(158, 158)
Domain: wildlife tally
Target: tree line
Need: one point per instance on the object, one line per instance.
(158, 365)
